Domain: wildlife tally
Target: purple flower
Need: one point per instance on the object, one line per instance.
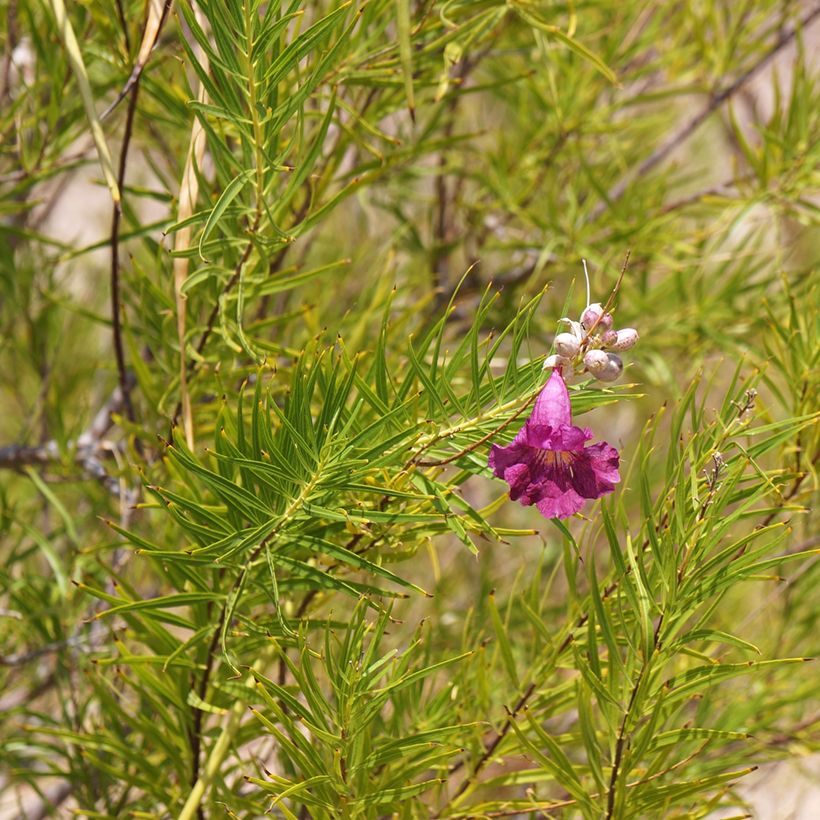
(548, 463)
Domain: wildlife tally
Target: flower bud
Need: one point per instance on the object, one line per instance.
(593, 314)
(566, 345)
(624, 339)
(558, 361)
(596, 361)
(613, 369)
(609, 338)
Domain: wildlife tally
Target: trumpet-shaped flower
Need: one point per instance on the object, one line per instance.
(549, 463)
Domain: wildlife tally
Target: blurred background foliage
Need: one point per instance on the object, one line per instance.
(274, 274)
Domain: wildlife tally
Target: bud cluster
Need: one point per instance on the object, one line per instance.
(591, 345)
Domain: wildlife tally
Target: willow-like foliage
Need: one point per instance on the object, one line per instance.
(275, 275)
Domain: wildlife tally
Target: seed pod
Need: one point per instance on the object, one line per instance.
(596, 361)
(593, 314)
(566, 345)
(613, 369)
(624, 339)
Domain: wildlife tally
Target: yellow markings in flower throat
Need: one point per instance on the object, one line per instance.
(554, 458)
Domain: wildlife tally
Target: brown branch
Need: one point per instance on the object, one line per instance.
(441, 226)
(690, 126)
(123, 25)
(151, 30)
(116, 311)
(196, 731)
(572, 801)
(442, 222)
(493, 743)
(490, 748)
(721, 189)
(79, 639)
(89, 450)
(150, 34)
(619, 749)
(622, 734)
(477, 444)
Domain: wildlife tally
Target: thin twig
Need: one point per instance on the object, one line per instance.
(721, 189)
(489, 750)
(690, 126)
(202, 691)
(572, 801)
(23, 658)
(123, 26)
(90, 449)
(477, 444)
(610, 303)
(496, 739)
(116, 312)
(156, 16)
(622, 731)
(442, 224)
(188, 365)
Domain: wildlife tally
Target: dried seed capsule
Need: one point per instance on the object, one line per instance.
(613, 369)
(596, 361)
(624, 339)
(566, 345)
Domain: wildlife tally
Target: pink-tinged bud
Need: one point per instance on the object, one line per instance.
(594, 316)
(624, 339)
(613, 369)
(609, 338)
(566, 345)
(596, 361)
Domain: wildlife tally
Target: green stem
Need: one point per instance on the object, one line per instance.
(259, 156)
(223, 743)
(75, 60)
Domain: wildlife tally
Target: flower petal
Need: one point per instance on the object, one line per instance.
(561, 504)
(596, 473)
(552, 406)
(548, 463)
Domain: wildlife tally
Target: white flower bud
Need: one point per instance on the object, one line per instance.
(596, 361)
(595, 313)
(625, 338)
(566, 345)
(558, 361)
(613, 369)
(575, 328)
